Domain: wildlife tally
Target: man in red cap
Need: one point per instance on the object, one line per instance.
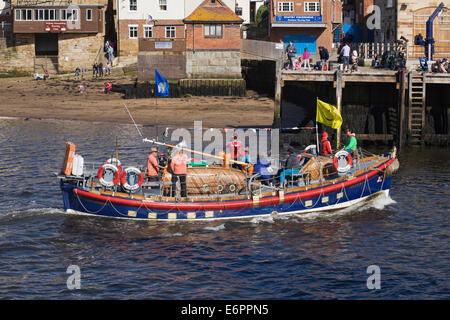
(326, 145)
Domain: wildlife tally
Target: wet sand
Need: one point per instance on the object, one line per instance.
(60, 99)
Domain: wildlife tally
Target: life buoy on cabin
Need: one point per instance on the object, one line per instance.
(339, 163)
(131, 179)
(115, 162)
(104, 175)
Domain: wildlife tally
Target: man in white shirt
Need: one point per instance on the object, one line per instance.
(345, 51)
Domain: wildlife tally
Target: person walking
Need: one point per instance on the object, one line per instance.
(77, 73)
(345, 52)
(291, 52)
(355, 58)
(100, 69)
(95, 70)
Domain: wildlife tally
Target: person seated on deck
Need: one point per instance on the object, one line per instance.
(46, 75)
(246, 158)
(351, 144)
(37, 76)
(292, 167)
(326, 145)
(262, 168)
(153, 165)
(178, 166)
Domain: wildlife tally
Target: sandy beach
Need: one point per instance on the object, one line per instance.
(59, 99)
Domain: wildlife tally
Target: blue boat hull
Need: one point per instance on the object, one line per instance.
(78, 200)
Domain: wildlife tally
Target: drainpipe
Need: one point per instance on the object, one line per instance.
(193, 38)
(118, 29)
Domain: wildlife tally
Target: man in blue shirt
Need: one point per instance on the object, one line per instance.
(291, 52)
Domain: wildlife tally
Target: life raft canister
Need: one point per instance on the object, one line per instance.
(131, 179)
(107, 170)
(337, 161)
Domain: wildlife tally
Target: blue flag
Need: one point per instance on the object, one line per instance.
(161, 86)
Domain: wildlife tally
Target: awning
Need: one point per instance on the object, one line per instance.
(299, 25)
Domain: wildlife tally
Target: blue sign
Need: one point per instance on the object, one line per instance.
(298, 18)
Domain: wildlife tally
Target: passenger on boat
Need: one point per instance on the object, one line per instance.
(178, 166)
(235, 149)
(153, 165)
(292, 166)
(326, 145)
(351, 145)
(262, 167)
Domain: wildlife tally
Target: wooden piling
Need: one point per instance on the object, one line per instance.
(339, 85)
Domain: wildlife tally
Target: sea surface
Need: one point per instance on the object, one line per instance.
(316, 256)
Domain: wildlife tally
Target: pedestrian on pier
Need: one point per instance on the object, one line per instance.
(291, 52)
(345, 52)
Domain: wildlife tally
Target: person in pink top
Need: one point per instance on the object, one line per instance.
(178, 167)
(305, 58)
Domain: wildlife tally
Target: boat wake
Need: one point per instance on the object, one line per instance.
(20, 214)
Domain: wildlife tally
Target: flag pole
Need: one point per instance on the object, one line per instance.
(317, 130)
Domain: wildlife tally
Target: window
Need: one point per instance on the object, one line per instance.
(389, 4)
(163, 5)
(89, 14)
(285, 6)
(24, 14)
(238, 11)
(133, 31)
(69, 14)
(133, 5)
(312, 6)
(213, 31)
(148, 32)
(170, 32)
(44, 14)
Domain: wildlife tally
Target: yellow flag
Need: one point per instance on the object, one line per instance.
(328, 115)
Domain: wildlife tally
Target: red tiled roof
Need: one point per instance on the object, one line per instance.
(213, 12)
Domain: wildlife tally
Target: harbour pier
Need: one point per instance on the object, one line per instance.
(395, 107)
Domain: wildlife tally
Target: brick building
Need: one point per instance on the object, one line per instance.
(307, 23)
(213, 41)
(203, 44)
(355, 14)
(55, 35)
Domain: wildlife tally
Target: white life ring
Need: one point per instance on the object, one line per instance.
(311, 149)
(115, 162)
(125, 179)
(337, 161)
(107, 167)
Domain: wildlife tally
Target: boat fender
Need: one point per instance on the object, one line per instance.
(342, 155)
(124, 182)
(101, 173)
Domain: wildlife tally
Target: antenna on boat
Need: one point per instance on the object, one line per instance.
(133, 121)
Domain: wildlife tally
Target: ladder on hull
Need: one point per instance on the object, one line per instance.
(417, 104)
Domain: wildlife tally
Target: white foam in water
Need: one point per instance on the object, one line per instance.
(257, 220)
(177, 234)
(379, 202)
(217, 228)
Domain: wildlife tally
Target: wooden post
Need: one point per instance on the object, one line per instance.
(338, 81)
(401, 123)
(278, 90)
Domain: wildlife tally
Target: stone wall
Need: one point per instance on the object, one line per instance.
(170, 66)
(220, 64)
(79, 50)
(17, 53)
